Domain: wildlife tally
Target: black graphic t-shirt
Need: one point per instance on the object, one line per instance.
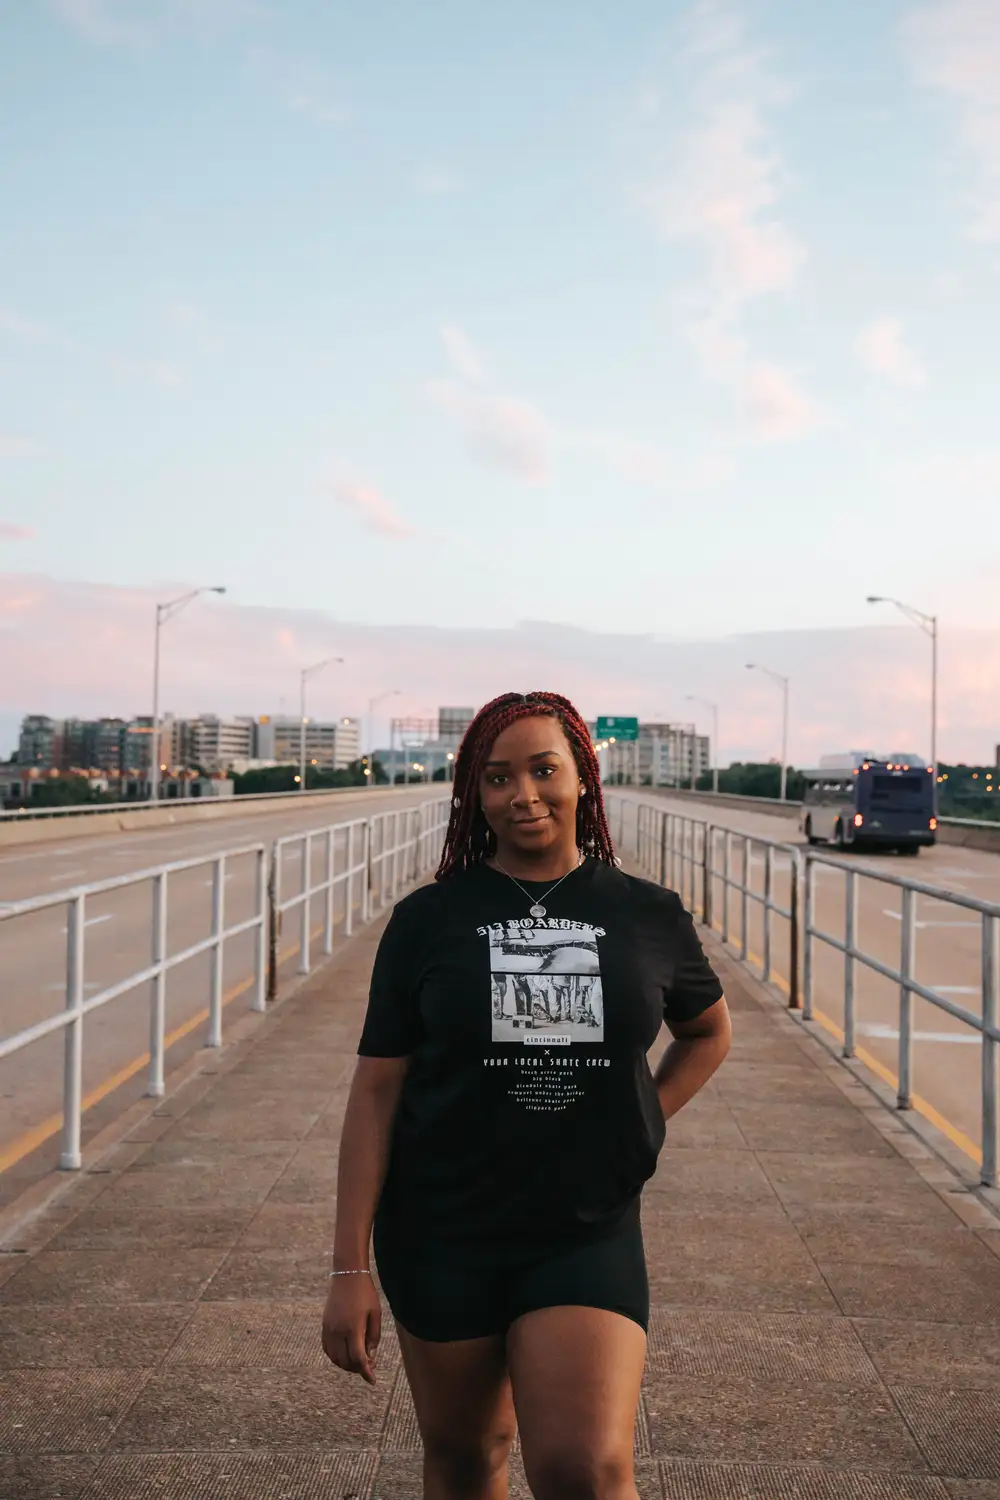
(529, 1109)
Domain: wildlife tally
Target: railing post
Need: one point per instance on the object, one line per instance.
(259, 1001)
(305, 868)
(906, 959)
(794, 933)
(745, 900)
(692, 833)
(349, 884)
(366, 877)
(395, 854)
(850, 943)
(274, 919)
(808, 906)
(157, 988)
(991, 1048)
(768, 901)
(70, 1158)
(708, 895)
(328, 889)
(727, 861)
(218, 922)
(663, 848)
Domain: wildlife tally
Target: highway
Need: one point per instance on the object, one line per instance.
(947, 1054)
(118, 943)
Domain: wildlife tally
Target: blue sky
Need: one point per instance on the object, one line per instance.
(675, 319)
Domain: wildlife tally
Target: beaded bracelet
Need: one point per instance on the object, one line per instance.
(361, 1271)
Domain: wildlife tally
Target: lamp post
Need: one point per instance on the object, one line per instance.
(165, 612)
(373, 703)
(782, 681)
(714, 707)
(929, 625)
(306, 673)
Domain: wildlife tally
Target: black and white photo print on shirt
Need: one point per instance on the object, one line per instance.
(545, 982)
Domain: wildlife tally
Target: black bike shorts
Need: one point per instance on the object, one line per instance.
(450, 1292)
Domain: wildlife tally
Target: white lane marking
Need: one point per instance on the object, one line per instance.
(898, 917)
(955, 989)
(95, 921)
(66, 875)
(889, 1033)
(60, 988)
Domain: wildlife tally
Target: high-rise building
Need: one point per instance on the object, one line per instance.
(672, 754)
(215, 743)
(329, 745)
(40, 742)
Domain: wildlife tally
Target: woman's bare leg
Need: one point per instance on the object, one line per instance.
(576, 1373)
(462, 1395)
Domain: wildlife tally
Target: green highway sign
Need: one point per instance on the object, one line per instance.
(617, 729)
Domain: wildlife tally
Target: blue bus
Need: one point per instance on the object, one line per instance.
(860, 800)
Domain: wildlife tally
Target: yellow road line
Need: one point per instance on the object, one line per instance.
(39, 1134)
(923, 1106)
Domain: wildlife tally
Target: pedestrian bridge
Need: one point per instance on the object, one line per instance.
(824, 1267)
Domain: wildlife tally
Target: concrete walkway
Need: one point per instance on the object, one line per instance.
(826, 1299)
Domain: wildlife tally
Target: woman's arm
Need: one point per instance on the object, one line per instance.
(352, 1321)
(697, 1049)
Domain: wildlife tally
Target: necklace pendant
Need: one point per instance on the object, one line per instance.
(538, 910)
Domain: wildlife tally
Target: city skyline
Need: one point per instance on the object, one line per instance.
(673, 333)
(865, 688)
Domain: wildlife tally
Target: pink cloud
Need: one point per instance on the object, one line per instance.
(506, 433)
(882, 347)
(11, 532)
(77, 648)
(371, 506)
(954, 46)
(778, 409)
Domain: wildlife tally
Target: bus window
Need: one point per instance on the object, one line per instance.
(884, 787)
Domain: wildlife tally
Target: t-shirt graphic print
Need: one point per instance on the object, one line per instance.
(545, 982)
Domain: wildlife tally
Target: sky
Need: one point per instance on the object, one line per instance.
(668, 327)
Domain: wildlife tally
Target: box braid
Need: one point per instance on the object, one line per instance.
(469, 839)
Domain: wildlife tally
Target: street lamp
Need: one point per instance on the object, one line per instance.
(165, 612)
(308, 672)
(777, 677)
(929, 625)
(714, 707)
(372, 705)
(450, 758)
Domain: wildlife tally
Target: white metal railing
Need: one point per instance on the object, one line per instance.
(684, 853)
(371, 860)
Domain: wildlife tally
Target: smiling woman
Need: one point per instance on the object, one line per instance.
(503, 1120)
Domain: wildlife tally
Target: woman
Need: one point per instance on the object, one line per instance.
(501, 1160)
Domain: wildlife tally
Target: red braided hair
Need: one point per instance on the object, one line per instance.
(470, 839)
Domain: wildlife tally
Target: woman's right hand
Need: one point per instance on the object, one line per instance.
(352, 1325)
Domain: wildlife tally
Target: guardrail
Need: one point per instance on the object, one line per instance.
(683, 852)
(369, 860)
(177, 804)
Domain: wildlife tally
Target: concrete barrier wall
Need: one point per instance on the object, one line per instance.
(89, 822)
(968, 833)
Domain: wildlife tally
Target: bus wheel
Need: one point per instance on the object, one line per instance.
(810, 836)
(838, 838)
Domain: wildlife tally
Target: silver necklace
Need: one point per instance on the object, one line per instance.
(537, 909)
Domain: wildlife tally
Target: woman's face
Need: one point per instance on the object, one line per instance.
(530, 788)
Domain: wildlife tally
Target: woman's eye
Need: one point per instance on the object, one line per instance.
(546, 770)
